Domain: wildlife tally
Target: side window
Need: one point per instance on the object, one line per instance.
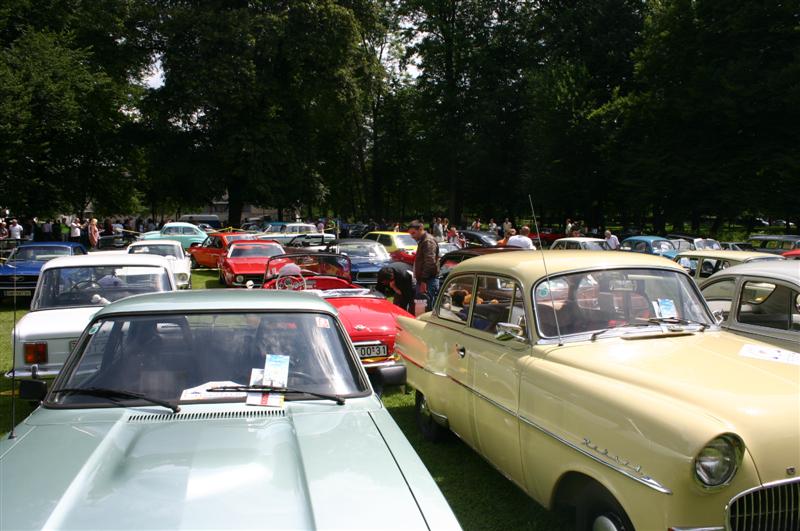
(573, 245)
(640, 247)
(188, 230)
(772, 244)
(787, 245)
(492, 302)
(719, 295)
(765, 304)
(172, 230)
(454, 302)
(385, 240)
(373, 237)
(796, 312)
(690, 264)
(709, 267)
(518, 310)
(558, 246)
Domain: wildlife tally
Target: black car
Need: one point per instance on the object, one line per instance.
(453, 258)
(477, 238)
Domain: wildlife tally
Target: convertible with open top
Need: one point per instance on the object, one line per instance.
(370, 319)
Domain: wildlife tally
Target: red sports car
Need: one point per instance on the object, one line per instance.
(245, 262)
(208, 253)
(404, 255)
(367, 315)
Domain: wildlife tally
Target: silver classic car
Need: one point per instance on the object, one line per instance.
(228, 409)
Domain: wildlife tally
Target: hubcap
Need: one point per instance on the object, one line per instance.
(604, 523)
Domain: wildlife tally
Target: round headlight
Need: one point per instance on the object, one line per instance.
(716, 464)
(239, 278)
(183, 277)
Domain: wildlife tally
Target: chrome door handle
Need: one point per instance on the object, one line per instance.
(462, 351)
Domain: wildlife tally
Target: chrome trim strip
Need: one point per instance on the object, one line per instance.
(714, 528)
(415, 364)
(643, 479)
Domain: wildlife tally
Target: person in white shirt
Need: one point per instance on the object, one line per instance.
(522, 239)
(612, 241)
(15, 230)
(507, 226)
(493, 226)
(75, 230)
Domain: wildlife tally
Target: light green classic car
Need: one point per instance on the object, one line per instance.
(216, 410)
(186, 233)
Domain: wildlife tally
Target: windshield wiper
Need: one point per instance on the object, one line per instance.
(116, 394)
(598, 333)
(270, 389)
(679, 321)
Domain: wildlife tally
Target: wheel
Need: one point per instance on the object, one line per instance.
(599, 511)
(195, 265)
(428, 427)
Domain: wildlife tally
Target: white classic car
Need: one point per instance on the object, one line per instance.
(69, 292)
(172, 251)
(759, 300)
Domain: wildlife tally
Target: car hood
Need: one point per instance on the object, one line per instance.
(248, 265)
(24, 267)
(368, 317)
(58, 323)
(315, 466)
(725, 377)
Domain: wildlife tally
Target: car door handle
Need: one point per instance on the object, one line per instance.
(462, 351)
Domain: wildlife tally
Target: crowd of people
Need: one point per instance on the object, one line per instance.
(87, 231)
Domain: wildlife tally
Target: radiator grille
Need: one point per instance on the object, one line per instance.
(773, 508)
(208, 415)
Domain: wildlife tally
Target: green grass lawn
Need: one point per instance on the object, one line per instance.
(481, 498)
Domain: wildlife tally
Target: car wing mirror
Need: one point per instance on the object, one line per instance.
(34, 390)
(719, 316)
(509, 331)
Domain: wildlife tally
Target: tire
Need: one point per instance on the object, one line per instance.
(194, 265)
(600, 511)
(431, 430)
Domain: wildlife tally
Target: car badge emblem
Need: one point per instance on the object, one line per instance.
(791, 471)
(360, 327)
(17, 278)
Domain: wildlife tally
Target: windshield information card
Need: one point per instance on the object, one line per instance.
(274, 374)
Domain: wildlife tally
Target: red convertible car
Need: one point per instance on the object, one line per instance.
(367, 315)
(208, 253)
(245, 262)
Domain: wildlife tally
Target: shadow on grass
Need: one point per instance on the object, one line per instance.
(481, 498)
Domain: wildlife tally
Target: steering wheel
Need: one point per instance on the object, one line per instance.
(88, 285)
(290, 282)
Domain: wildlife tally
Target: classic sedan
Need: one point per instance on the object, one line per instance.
(775, 244)
(760, 300)
(366, 259)
(214, 247)
(574, 243)
(228, 409)
(400, 245)
(303, 243)
(20, 271)
(368, 316)
(702, 264)
(602, 382)
(69, 292)
(284, 232)
(246, 261)
(477, 238)
(186, 233)
(173, 252)
(650, 245)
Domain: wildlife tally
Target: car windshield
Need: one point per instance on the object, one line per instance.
(160, 250)
(707, 243)
(179, 356)
(661, 246)
(489, 238)
(97, 285)
(38, 253)
(405, 240)
(253, 251)
(596, 246)
(589, 301)
(309, 265)
(237, 237)
(364, 250)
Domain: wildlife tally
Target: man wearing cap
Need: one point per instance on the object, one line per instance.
(396, 280)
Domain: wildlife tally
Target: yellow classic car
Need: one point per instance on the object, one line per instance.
(602, 382)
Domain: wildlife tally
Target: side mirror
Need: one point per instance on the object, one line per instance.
(508, 331)
(34, 390)
(719, 316)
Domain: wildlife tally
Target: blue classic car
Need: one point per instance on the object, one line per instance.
(221, 409)
(650, 245)
(20, 271)
(366, 259)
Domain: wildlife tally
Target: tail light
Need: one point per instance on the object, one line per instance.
(35, 353)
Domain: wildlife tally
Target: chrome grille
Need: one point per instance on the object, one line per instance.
(771, 508)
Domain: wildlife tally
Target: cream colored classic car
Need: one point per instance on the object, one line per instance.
(610, 388)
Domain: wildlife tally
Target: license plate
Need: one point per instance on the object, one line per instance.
(372, 351)
(18, 292)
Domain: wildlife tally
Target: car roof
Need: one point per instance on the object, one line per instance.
(645, 237)
(787, 270)
(257, 241)
(179, 224)
(144, 243)
(781, 237)
(528, 265)
(50, 244)
(480, 251)
(218, 300)
(579, 239)
(359, 241)
(722, 254)
(106, 259)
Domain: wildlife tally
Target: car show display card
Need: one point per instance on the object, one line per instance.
(667, 308)
(276, 370)
(766, 353)
(264, 399)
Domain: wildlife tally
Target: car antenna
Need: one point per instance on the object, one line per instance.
(546, 274)
(11, 433)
